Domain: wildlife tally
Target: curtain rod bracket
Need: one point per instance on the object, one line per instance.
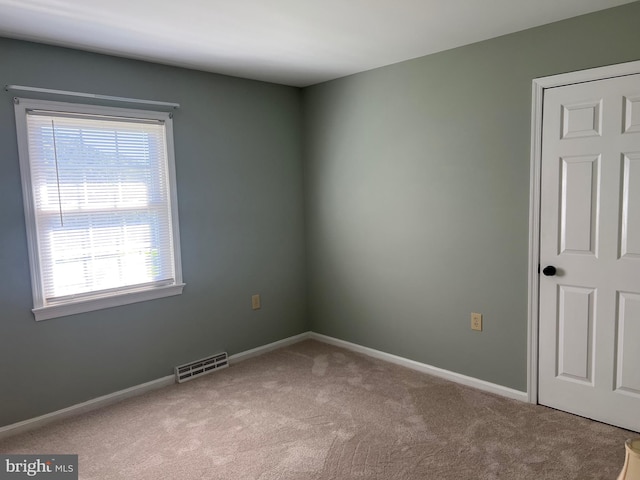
(153, 103)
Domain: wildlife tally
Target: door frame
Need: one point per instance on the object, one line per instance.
(538, 88)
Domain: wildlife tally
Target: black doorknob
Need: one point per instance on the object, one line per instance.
(549, 271)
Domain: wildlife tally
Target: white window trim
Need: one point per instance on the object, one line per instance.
(72, 307)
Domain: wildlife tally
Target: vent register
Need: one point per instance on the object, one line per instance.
(192, 370)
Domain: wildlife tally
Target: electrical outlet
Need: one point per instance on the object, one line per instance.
(255, 302)
(476, 321)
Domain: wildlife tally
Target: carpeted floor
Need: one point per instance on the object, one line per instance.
(314, 411)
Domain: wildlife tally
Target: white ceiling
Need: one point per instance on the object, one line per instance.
(293, 42)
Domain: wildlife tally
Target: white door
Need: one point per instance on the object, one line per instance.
(589, 325)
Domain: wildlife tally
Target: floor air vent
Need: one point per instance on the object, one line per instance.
(201, 367)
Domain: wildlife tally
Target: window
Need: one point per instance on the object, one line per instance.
(100, 205)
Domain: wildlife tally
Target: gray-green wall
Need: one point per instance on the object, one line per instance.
(417, 187)
(239, 178)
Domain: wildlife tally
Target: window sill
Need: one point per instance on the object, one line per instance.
(89, 305)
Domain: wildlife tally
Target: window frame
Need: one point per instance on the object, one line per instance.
(41, 310)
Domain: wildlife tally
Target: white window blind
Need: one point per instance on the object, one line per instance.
(101, 205)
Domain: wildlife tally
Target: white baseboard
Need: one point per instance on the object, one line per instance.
(424, 368)
(99, 402)
(254, 352)
(103, 401)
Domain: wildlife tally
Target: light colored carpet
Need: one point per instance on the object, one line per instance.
(314, 411)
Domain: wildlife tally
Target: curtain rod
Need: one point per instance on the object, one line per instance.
(22, 88)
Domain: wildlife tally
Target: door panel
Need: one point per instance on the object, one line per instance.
(581, 119)
(575, 333)
(579, 204)
(632, 114)
(628, 355)
(589, 338)
(630, 228)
